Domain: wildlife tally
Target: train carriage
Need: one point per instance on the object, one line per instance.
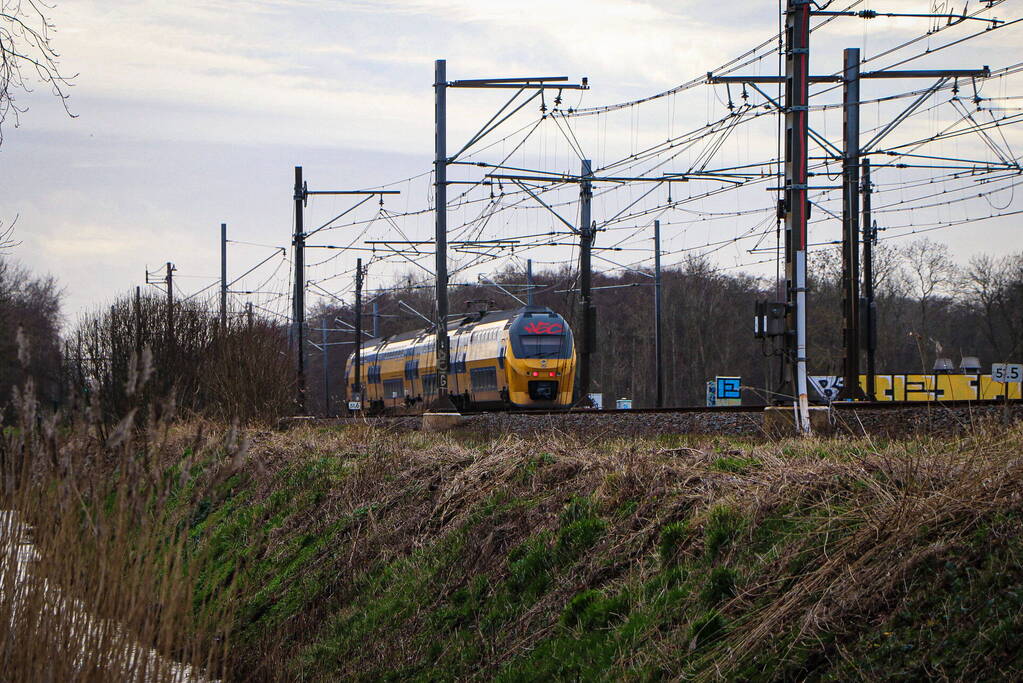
(522, 358)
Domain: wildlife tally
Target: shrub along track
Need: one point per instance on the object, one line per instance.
(370, 552)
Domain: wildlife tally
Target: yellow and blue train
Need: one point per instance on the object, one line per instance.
(522, 358)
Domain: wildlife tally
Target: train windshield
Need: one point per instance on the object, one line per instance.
(541, 345)
(540, 333)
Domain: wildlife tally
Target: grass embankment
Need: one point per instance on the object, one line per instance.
(362, 554)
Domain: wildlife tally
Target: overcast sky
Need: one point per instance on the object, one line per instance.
(195, 112)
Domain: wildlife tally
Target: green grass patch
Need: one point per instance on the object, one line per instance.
(735, 465)
(724, 524)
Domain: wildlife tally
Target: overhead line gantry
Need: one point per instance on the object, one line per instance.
(302, 194)
(795, 203)
(536, 85)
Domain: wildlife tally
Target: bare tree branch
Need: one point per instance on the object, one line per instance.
(7, 241)
(27, 57)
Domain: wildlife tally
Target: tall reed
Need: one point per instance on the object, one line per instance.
(96, 583)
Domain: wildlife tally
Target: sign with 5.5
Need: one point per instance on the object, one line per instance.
(1007, 372)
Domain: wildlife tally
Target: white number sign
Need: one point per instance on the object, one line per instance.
(354, 405)
(1007, 372)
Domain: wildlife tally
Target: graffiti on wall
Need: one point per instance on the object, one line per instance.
(921, 387)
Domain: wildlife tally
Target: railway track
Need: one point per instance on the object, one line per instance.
(880, 418)
(838, 405)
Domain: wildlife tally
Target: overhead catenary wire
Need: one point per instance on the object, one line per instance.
(486, 209)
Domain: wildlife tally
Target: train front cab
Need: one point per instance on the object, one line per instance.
(540, 360)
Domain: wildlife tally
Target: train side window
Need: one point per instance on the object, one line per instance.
(484, 379)
(394, 388)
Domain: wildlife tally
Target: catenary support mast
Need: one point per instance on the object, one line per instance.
(169, 279)
(440, 85)
(223, 277)
(658, 348)
(869, 308)
(357, 380)
(298, 301)
(797, 60)
(587, 309)
(851, 225)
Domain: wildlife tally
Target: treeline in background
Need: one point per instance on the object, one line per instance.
(928, 307)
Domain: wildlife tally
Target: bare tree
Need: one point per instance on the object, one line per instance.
(29, 331)
(27, 56)
(930, 271)
(889, 278)
(983, 285)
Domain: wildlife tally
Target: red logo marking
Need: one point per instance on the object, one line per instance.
(543, 328)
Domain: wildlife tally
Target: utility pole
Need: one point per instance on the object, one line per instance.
(248, 315)
(588, 317)
(850, 224)
(298, 301)
(357, 385)
(658, 349)
(302, 194)
(169, 279)
(869, 308)
(529, 282)
(223, 278)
